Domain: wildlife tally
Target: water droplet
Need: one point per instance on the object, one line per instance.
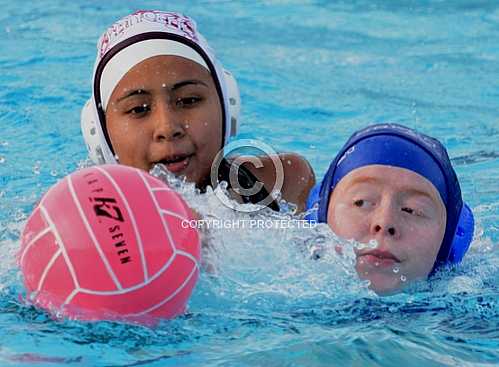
(396, 269)
(53, 173)
(403, 278)
(19, 216)
(36, 168)
(376, 263)
(276, 195)
(32, 296)
(2, 160)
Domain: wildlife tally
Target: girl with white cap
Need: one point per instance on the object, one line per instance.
(160, 96)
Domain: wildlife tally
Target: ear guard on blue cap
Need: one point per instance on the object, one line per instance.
(463, 235)
(312, 214)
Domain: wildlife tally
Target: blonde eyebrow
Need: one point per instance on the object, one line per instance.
(364, 179)
(417, 192)
(405, 189)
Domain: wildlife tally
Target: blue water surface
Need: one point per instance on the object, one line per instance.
(310, 73)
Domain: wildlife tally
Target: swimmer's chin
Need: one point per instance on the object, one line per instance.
(189, 173)
(381, 283)
(385, 292)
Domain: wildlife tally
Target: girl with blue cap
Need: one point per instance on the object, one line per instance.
(396, 186)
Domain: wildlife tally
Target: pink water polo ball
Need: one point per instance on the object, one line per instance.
(110, 242)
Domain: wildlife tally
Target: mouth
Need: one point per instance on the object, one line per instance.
(176, 163)
(379, 258)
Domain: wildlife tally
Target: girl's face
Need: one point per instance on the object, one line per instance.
(399, 209)
(166, 110)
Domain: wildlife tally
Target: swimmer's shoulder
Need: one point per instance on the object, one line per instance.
(298, 180)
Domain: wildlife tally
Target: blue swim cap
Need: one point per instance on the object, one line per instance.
(399, 146)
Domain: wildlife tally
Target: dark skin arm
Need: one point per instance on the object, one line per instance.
(299, 177)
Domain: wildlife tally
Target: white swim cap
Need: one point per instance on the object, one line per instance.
(133, 39)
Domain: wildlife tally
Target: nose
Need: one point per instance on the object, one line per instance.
(168, 126)
(385, 222)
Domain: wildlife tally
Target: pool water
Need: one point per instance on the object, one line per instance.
(310, 73)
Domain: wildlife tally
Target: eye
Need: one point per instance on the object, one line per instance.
(361, 203)
(412, 211)
(187, 102)
(364, 204)
(139, 110)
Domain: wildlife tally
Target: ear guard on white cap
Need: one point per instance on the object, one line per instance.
(234, 99)
(98, 149)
